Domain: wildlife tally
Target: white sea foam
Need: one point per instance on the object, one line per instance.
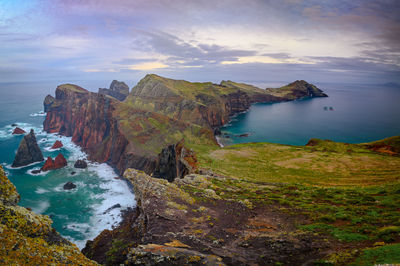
(40, 113)
(42, 173)
(8, 166)
(40, 190)
(42, 207)
(116, 191)
(218, 139)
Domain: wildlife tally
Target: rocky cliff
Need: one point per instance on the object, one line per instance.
(187, 223)
(27, 238)
(141, 131)
(265, 204)
(90, 119)
(119, 90)
(28, 151)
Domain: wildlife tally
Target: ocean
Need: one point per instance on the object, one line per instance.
(352, 113)
(360, 113)
(79, 214)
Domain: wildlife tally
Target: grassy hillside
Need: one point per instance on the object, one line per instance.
(349, 193)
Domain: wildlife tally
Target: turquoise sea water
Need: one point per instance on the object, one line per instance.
(361, 113)
(79, 214)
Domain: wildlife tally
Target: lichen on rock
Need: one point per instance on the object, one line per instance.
(27, 238)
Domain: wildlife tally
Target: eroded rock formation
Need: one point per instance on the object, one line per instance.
(28, 151)
(58, 144)
(118, 90)
(57, 163)
(18, 131)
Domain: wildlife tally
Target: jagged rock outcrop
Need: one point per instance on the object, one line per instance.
(57, 163)
(80, 164)
(118, 90)
(58, 144)
(28, 151)
(187, 222)
(27, 238)
(175, 161)
(18, 131)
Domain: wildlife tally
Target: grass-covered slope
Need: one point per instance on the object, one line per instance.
(179, 109)
(27, 238)
(266, 204)
(297, 89)
(349, 192)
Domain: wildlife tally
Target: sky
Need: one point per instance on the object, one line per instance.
(254, 41)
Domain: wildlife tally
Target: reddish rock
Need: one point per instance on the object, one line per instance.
(60, 161)
(58, 144)
(18, 131)
(51, 164)
(48, 165)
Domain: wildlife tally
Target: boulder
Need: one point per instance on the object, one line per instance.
(28, 151)
(18, 131)
(35, 172)
(58, 144)
(51, 164)
(80, 164)
(69, 185)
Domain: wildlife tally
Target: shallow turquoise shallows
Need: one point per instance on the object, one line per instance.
(79, 214)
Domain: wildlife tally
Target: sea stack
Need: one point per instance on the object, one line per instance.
(118, 90)
(51, 164)
(18, 131)
(28, 151)
(58, 144)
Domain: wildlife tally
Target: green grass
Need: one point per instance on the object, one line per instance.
(327, 164)
(388, 254)
(348, 192)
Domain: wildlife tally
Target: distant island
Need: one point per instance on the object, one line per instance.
(325, 203)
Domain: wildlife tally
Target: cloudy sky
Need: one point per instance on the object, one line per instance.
(252, 40)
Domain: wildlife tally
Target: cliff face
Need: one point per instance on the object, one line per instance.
(205, 104)
(27, 238)
(88, 118)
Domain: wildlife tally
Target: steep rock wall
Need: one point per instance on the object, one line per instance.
(88, 118)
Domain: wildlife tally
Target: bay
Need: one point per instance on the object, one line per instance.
(360, 113)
